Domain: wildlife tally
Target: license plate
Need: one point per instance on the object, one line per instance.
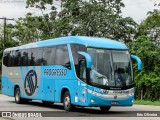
(114, 103)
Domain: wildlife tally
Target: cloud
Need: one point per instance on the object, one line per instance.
(137, 9)
(11, 10)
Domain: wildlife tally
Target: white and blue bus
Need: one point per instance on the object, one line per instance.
(73, 70)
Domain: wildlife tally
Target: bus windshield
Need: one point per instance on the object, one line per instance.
(110, 67)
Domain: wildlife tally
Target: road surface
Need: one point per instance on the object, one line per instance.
(116, 113)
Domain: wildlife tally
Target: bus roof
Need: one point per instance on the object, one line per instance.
(84, 40)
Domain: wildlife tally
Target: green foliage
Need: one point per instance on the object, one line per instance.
(94, 18)
(89, 18)
(144, 102)
(147, 47)
(9, 42)
(150, 26)
(148, 79)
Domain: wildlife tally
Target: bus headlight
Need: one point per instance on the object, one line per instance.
(92, 101)
(132, 101)
(131, 92)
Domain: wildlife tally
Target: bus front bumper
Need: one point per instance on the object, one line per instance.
(94, 100)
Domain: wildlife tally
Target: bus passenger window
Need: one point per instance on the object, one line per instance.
(17, 58)
(36, 56)
(6, 58)
(62, 57)
(11, 59)
(49, 55)
(24, 58)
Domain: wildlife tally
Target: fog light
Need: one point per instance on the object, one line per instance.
(92, 101)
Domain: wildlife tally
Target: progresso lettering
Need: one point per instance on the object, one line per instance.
(55, 72)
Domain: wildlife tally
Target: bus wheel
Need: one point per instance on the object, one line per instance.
(47, 103)
(17, 96)
(105, 108)
(67, 101)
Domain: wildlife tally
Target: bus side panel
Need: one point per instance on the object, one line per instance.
(4, 85)
(7, 87)
(49, 89)
(55, 78)
(82, 93)
(32, 82)
(68, 84)
(10, 88)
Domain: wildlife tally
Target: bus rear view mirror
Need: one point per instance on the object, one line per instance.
(138, 61)
(87, 57)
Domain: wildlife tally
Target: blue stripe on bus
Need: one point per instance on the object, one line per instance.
(34, 68)
(22, 74)
(27, 69)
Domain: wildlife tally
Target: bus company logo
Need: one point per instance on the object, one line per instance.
(30, 83)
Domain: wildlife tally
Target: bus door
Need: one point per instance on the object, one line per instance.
(82, 85)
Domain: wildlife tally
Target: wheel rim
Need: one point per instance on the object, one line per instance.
(67, 102)
(17, 95)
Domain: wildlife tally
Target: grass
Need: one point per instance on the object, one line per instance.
(144, 102)
(0, 92)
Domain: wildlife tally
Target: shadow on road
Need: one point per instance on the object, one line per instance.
(78, 111)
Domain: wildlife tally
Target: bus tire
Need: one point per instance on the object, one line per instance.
(67, 102)
(17, 96)
(47, 103)
(105, 108)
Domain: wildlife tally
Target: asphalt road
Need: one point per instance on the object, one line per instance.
(56, 110)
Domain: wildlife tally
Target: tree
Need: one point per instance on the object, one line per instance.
(148, 80)
(9, 42)
(151, 26)
(87, 17)
(146, 46)
(94, 18)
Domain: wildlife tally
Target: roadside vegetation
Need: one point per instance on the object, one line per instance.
(144, 102)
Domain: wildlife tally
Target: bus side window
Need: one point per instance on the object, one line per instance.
(6, 58)
(49, 55)
(11, 59)
(75, 48)
(36, 56)
(62, 56)
(26, 57)
(17, 58)
(28, 52)
(82, 66)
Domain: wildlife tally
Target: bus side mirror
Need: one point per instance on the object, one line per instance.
(85, 63)
(138, 61)
(88, 59)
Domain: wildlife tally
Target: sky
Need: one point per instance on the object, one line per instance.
(137, 9)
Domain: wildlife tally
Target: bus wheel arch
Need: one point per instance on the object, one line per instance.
(66, 99)
(62, 93)
(17, 95)
(15, 87)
